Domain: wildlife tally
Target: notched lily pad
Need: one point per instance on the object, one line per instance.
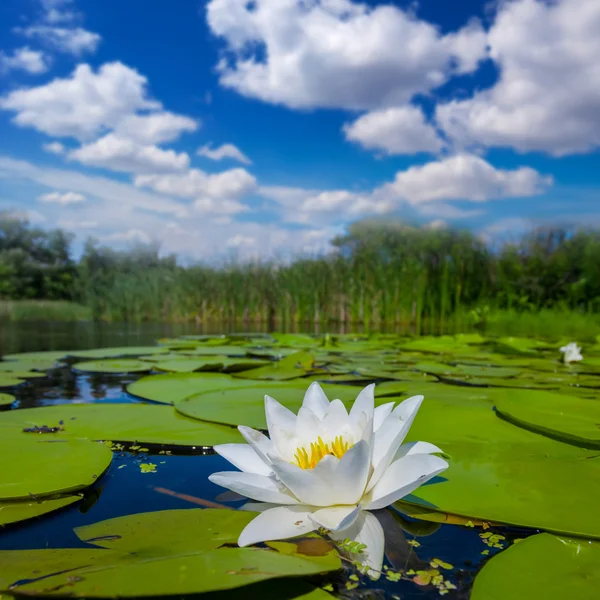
(17, 511)
(114, 366)
(6, 399)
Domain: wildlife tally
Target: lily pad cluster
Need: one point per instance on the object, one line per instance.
(519, 427)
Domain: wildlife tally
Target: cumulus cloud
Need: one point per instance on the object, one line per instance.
(24, 59)
(54, 148)
(463, 177)
(547, 97)
(398, 130)
(76, 40)
(122, 154)
(224, 151)
(63, 199)
(336, 53)
(195, 183)
(83, 105)
(155, 128)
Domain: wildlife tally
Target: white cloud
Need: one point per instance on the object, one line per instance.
(63, 199)
(399, 130)
(336, 53)
(131, 235)
(83, 105)
(220, 208)
(463, 177)
(32, 216)
(155, 128)
(24, 59)
(71, 40)
(547, 97)
(240, 240)
(224, 151)
(122, 154)
(54, 148)
(230, 184)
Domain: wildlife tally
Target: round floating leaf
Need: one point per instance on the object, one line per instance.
(115, 352)
(23, 375)
(41, 464)
(541, 566)
(159, 554)
(226, 364)
(6, 399)
(51, 356)
(145, 423)
(291, 367)
(114, 366)
(12, 366)
(7, 380)
(218, 351)
(505, 474)
(16, 511)
(173, 388)
(567, 418)
(466, 371)
(246, 406)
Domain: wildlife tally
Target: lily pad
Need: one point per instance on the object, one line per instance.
(6, 399)
(114, 366)
(25, 366)
(119, 422)
(466, 370)
(293, 366)
(175, 387)
(7, 380)
(225, 364)
(157, 554)
(42, 465)
(51, 356)
(567, 418)
(116, 352)
(17, 511)
(246, 406)
(541, 566)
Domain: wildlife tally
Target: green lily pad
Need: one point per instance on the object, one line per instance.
(466, 370)
(116, 352)
(7, 380)
(504, 474)
(541, 566)
(157, 554)
(42, 465)
(17, 511)
(225, 364)
(293, 366)
(23, 375)
(218, 351)
(52, 356)
(114, 366)
(150, 424)
(25, 366)
(246, 406)
(175, 387)
(6, 399)
(567, 418)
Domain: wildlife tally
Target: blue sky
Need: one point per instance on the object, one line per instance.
(263, 128)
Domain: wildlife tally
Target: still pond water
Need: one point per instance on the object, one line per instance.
(178, 480)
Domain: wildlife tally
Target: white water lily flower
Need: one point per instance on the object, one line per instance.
(327, 468)
(571, 353)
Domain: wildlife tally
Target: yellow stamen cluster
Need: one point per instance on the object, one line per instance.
(308, 458)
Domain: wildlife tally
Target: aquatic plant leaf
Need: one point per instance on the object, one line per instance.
(541, 566)
(114, 366)
(158, 554)
(8, 380)
(290, 367)
(23, 374)
(246, 406)
(567, 418)
(144, 423)
(41, 464)
(25, 366)
(175, 387)
(17, 511)
(116, 352)
(224, 364)
(505, 474)
(52, 356)
(466, 371)
(6, 399)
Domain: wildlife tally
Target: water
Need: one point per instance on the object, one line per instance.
(181, 479)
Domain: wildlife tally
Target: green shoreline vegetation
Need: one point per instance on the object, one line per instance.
(382, 275)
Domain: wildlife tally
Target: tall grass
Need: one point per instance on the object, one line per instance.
(43, 310)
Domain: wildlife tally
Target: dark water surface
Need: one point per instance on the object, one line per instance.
(125, 489)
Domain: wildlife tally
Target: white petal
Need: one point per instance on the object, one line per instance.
(364, 403)
(417, 448)
(336, 517)
(368, 531)
(244, 458)
(403, 477)
(257, 487)
(260, 443)
(407, 410)
(308, 426)
(336, 421)
(277, 524)
(387, 440)
(351, 474)
(316, 400)
(381, 414)
(310, 486)
(281, 423)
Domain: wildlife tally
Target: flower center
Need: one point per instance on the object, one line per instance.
(307, 458)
